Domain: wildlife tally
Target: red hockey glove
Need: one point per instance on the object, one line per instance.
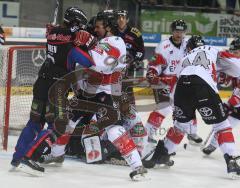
(169, 80)
(152, 76)
(224, 79)
(84, 38)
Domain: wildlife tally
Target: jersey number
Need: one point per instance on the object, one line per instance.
(200, 59)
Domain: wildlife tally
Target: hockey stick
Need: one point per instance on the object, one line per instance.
(55, 13)
(207, 139)
(107, 4)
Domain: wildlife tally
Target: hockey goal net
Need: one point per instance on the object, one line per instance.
(19, 66)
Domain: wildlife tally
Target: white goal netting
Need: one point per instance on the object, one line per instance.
(19, 66)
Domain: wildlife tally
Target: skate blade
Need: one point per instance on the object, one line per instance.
(140, 177)
(26, 170)
(233, 176)
(162, 166)
(165, 166)
(53, 164)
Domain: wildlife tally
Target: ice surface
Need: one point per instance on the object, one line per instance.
(191, 169)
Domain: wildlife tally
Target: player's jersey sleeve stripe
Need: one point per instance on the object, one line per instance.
(77, 55)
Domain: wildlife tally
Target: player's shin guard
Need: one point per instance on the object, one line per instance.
(154, 122)
(226, 141)
(120, 139)
(173, 138)
(140, 138)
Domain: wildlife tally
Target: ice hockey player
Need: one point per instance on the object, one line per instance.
(161, 74)
(132, 123)
(2, 36)
(104, 86)
(59, 43)
(233, 104)
(135, 50)
(197, 90)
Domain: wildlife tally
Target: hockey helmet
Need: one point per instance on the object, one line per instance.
(109, 18)
(125, 105)
(73, 16)
(122, 13)
(195, 41)
(91, 25)
(235, 44)
(179, 25)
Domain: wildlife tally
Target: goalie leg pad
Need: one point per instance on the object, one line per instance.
(93, 149)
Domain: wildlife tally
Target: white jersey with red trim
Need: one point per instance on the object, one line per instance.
(229, 64)
(168, 56)
(109, 58)
(205, 61)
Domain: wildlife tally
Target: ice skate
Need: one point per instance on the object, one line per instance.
(209, 149)
(49, 159)
(160, 157)
(27, 166)
(233, 166)
(194, 139)
(138, 174)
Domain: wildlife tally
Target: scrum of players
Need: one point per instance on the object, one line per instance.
(99, 122)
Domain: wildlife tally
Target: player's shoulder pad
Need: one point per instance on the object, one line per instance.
(136, 31)
(163, 45)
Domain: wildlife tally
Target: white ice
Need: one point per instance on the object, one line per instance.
(191, 169)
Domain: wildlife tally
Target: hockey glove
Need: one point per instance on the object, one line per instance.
(84, 38)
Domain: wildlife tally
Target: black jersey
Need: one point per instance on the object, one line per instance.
(134, 42)
(59, 43)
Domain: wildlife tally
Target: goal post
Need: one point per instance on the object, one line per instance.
(19, 66)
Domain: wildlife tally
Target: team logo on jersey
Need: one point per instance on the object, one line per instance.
(38, 57)
(136, 32)
(205, 111)
(166, 46)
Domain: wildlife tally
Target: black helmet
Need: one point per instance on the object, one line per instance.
(91, 25)
(125, 98)
(195, 41)
(122, 13)
(109, 18)
(125, 106)
(74, 15)
(179, 25)
(235, 44)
